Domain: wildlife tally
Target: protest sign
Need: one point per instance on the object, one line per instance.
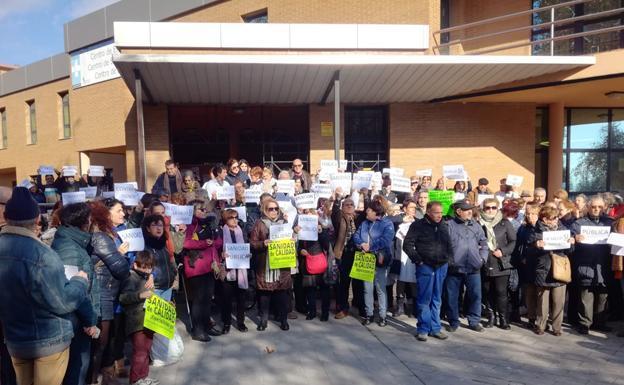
(46, 170)
(459, 196)
(286, 186)
(26, 183)
(134, 237)
(363, 266)
(377, 182)
(237, 255)
(73, 197)
(482, 197)
(160, 316)
(127, 193)
(455, 171)
(322, 190)
(400, 184)
(393, 171)
(282, 254)
(342, 180)
(514, 180)
(69, 171)
(70, 271)
(108, 194)
(445, 197)
(617, 250)
(96, 170)
(289, 211)
(309, 227)
(616, 239)
(426, 172)
(362, 180)
(556, 240)
(253, 196)
(306, 201)
(180, 215)
(90, 192)
(595, 235)
(277, 232)
(329, 165)
(242, 212)
(225, 193)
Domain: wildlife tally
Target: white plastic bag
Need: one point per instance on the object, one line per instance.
(167, 351)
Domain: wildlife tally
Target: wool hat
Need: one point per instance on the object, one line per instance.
(463, 205)
(484, 181)
(21, 206)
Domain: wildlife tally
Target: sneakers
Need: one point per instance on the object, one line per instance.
(382, 322)
(476, 328)
(451, 329)
(341, 315)
(421, 337)
(147, 381)
(368, 320)
(439, 335)
(583, 330)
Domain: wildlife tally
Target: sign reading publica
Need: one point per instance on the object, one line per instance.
(595, 235)
(237, 255)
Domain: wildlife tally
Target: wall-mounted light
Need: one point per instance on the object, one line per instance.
(615, 94)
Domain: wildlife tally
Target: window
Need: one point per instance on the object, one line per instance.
(3, 123)
(541, 147)
(598, 42)
(65, 121)
(594, 150)
(366, 137)
(31, 121)
(261, 16)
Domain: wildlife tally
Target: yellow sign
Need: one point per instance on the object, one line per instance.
(363, 266)
(160, 316)
(282, 254)
(327, 128)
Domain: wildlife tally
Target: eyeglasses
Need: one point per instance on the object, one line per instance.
(157, 225)
(348, 204)
(234, 166)
(232, 217)
(297, 165)
(487, 208)
(203, 210)
(597, 207)
(272, 208)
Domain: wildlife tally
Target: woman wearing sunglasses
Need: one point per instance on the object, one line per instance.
(272, 284)
(501, 241)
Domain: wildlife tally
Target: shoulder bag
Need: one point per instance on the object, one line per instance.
(561, 269)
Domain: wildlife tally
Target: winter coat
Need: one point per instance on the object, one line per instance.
(520, 257)
(379, 235)
(164, 271)
(506, 242)
(131, 289)
(207, 253)
(470, 251)
(111, 267)
(590, 263)
(543, 276)
(260, 254)
(428, 242)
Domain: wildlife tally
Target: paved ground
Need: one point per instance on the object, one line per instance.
(345, 352)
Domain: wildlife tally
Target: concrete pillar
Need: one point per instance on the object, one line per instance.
(556, 122)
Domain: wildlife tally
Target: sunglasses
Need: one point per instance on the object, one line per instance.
(348, 204)
(272, 208)
(486, 208)
(232, 217)
(297, 165)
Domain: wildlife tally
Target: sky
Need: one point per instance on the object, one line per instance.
(32, 30)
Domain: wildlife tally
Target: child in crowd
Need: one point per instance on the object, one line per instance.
(132, 297)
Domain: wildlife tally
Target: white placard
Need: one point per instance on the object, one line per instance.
(329, 165)
(362, 180)
(459, 196)
(93, 64)
(286, 186)
(253, 196)
(309, 228)
(108, 194)
(237, 256)
(69, 171)
(280, 231)
(342, 180)
(127, 193)
(289, 210)
(96, 170)
(226, 193)
(322, 190)
(393, 171)
(26, 183)
(343, 164)
(180, 215)
(70, 271)
(242, 212)
(306, 201)
(134, 237)
(400, 184)
(73, 197)
(455, 171)
(482, 197)
(617, 250)
(595, 235)
(90, 192)
(377, 181)
(425, 172)
(514, 180)
(46, 170)
(616, 239)
(556, 240)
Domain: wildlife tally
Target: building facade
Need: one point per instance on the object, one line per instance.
(501, 87)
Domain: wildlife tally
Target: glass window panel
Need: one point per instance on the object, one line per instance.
(617, 128)
(66, 121)
(3, 123)
(589, 128)
(564, 184)
(33, 122)
(588, 171)
(541, 128)
(617, 171)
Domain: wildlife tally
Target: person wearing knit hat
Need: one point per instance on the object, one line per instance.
(35, 291)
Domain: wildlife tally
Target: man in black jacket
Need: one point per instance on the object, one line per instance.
(428, 245)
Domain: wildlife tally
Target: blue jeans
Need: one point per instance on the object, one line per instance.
(79, 357)
(430, 282)
(472, 297)
(381, 276)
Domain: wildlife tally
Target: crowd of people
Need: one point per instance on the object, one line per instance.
(72, 294)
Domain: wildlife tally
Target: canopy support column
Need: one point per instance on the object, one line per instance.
(337, 117)
(141, 177)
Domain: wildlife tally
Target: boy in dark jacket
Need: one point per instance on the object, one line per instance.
(132, 298)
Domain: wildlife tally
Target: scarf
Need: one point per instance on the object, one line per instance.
(178, 182)
(155, 243)
(489, 221)
(240, 275)
(270, 275)
(350, 230)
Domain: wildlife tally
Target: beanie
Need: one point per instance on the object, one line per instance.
(21, 206)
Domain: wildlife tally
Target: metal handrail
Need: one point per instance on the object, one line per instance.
(552, 23)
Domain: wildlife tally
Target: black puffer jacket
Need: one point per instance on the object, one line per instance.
(543, 276)
(506, 242)
(428, 242)
(590, 263)
(111, 267)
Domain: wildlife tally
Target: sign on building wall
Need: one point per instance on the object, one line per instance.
(93, 65)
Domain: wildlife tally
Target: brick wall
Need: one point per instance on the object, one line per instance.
(490, 140)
